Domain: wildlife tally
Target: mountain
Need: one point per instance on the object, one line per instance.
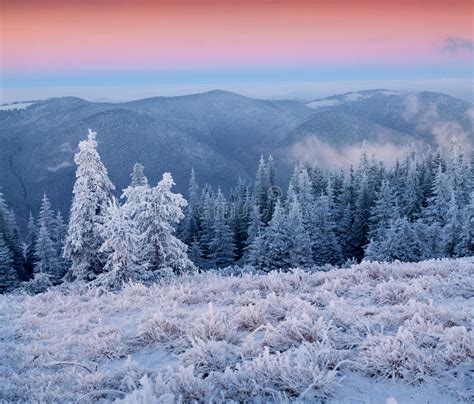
(220, 134)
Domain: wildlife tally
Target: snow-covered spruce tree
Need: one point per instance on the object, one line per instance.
(261, 188)
(452, 230)
(59, 238)
(221, 247)
(92, 192)
(300, 252)
(322, 232)
(207, 224)
(271, 250)
(241, 216)
(29, 249)
(121, 247)
(8, 276)
(46, 251)
(254, 231)
(383, 212)
(190, 228)
(160, 211)
(11, 235)
(46, 254)
(272, 195)
(138, 176)
(401, 242)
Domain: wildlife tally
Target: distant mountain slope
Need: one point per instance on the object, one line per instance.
(220, 134)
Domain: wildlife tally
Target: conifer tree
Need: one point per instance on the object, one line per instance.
(221, 247)
(8, 276)
(30, 242)
(159, 213)
(121, 246)
(92, 192)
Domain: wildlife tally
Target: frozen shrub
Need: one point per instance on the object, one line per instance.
(208, 356)
(40, 283)
(183, 385)
(251, 316)
(145, 394)
(396, 357)
(395, 292)
(163, 329)
(301, 372)
(296, 330)
(457, 346)
(213, 325)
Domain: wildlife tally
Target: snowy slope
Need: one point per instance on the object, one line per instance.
(370, 333)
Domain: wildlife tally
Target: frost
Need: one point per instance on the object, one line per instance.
(303, 336)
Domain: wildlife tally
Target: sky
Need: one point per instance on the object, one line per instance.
(118, 49)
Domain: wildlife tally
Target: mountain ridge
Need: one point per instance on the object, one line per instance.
(220, 133)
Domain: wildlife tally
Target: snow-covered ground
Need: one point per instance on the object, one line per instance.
(18, 105)
(373, 333)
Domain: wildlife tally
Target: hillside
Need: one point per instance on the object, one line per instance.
(220, 134)
(367, 333)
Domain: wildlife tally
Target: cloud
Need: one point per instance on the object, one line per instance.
(318, 153)
(428, 120)
(455, 46)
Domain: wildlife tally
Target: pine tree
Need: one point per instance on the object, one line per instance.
(383, 212)
(121, 246)
(59, 238)
(8, 276)
(261, 189)
(401, 243)
(191, 226)
(46, 254)
(160, 212)
(11, 235)
(138, 176)
(30, 242)
(300, 251)
(451, 233)
(325, 245)
(254, 231)
(221, 247)
(92, 191)
(207, 224)
(271, 250)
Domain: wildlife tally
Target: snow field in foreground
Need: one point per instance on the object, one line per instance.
(371, 332)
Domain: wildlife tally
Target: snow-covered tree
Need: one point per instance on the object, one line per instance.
(160, 211)
(138, 176)
(300, 251)
(191, 226)
(8, 276)
(271, 250)
(29, 249)
(92, 192)
(221, 247)
(121, 247)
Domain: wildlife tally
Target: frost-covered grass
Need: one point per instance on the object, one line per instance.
(369, 331)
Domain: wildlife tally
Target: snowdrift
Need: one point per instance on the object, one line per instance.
(370, 332)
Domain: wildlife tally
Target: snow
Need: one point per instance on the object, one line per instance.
(371, 333)
(18, 106)
(323, 103)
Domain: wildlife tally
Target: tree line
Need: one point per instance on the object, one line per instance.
(422, 207)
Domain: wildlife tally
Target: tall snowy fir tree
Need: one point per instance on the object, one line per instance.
(121, 247)
(8, 276)
(92, 192)
(190, 226)
(222, 246)
(46, 249)
(29, 250)
(11, 235)
(161, 212)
